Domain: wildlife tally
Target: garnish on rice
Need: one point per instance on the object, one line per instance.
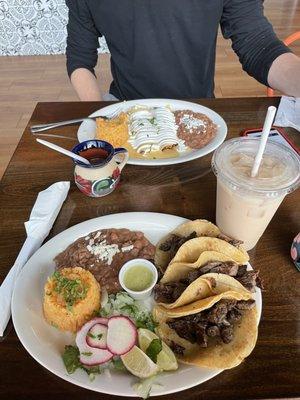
(72, 295)
(70, 290)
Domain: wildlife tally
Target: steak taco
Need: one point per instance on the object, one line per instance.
(198, 252)
(168, 246)
(191, 287)
(215, 332)
(176, 294)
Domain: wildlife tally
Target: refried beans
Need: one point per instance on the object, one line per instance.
(196, 129)
(104, 252)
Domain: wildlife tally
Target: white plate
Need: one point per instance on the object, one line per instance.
(87, 129)
(45, 343)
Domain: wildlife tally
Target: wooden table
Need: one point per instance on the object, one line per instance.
(187, 190)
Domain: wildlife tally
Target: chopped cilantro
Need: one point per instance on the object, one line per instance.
(54, 325)
(71, 290)
(87, 353)
(99, 336)
(154, 349)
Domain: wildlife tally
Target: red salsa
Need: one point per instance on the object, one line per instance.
(95, 155)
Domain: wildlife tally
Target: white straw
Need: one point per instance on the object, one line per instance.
(263, 140)
(63, 151)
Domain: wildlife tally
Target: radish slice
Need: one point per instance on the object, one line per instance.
(89, 355)
(121, 335)
(96, 336)
(82, 333)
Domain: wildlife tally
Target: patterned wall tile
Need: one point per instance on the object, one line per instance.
(34, 27)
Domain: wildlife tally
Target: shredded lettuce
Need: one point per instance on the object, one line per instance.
(71, 359)
(122, 303)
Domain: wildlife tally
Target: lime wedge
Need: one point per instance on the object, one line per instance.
(166, 359)
(139, 364)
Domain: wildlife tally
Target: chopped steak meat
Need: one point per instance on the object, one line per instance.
(216, 322)
(185, 329)
(201, 337)
(242, 270)
(213, 331)
(228, 268)
(245, 304)
(226, 333)
(198, 318)
(169, 292)
(177, 348)
(230, 304)
(174, 242)
(228, 239)
(218, 313)
(234, 315)
(249, 280)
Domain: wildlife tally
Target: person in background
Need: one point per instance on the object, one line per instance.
(166, 48)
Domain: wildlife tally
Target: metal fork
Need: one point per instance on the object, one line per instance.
(45, 127)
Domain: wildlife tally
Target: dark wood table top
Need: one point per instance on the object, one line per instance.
(187, 190)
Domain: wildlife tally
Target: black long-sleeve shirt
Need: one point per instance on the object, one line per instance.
(166, 48)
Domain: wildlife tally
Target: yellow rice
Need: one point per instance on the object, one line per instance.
(55, 310)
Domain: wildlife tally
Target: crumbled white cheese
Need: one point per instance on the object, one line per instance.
(91, 242)
(191, 122)
(103, 251)
(87, 238)
(97, 235)
(127, 248)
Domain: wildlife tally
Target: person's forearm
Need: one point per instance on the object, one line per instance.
(86, 85)
(284, 74)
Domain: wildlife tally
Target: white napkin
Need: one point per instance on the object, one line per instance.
(42, 217)
(288, 113)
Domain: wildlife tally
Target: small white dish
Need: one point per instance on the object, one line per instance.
(142, 294)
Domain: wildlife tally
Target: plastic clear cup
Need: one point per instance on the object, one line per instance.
(246, 205)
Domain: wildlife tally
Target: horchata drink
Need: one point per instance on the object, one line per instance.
(246, 205)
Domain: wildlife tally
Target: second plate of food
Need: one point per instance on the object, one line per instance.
(157, 131)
